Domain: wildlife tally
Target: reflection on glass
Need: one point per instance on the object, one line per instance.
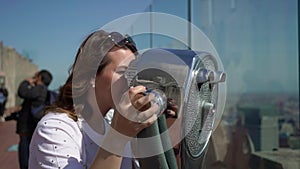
(258, 44)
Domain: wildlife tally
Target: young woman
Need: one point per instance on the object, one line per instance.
(96, 86)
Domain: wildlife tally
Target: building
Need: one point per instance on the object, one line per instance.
(15, 68)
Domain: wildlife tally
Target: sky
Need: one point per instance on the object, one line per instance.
(50, 31)
(249, 36)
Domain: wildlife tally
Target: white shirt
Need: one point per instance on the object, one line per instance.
(60, 142)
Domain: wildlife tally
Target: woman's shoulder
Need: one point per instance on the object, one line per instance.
(57, 137)
(57, 116)
(59, 121)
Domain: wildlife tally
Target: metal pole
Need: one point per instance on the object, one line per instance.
(189, 17)
(151, 24)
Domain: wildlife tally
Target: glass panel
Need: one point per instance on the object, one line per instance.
(142, 24)
(173, 7)
(169, 7)
(257, 42)
(148, 25)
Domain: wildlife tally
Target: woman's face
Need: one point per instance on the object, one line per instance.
(110, 82)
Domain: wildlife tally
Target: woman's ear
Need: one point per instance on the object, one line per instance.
(92, 82)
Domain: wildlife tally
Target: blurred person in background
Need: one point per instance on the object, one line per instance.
(33, 91)
(3, 96)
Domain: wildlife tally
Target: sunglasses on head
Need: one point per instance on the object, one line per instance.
(120, 40)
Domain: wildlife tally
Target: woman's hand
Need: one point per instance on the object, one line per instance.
(134, 112)
(172, 108)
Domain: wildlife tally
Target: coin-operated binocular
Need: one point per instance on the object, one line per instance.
(195, 82)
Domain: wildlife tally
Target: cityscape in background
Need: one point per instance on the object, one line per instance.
(277, 114)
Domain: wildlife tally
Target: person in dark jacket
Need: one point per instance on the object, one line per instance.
(3, 95)
(33, 91)
(3, 98)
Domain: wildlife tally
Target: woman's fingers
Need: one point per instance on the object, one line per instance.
(145, 115)
(133, 91)
(172, 108)
(171, 113)
(171, 105)
(149, 121)
(142, 102)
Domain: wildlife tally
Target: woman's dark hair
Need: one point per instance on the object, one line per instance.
(86, 65)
